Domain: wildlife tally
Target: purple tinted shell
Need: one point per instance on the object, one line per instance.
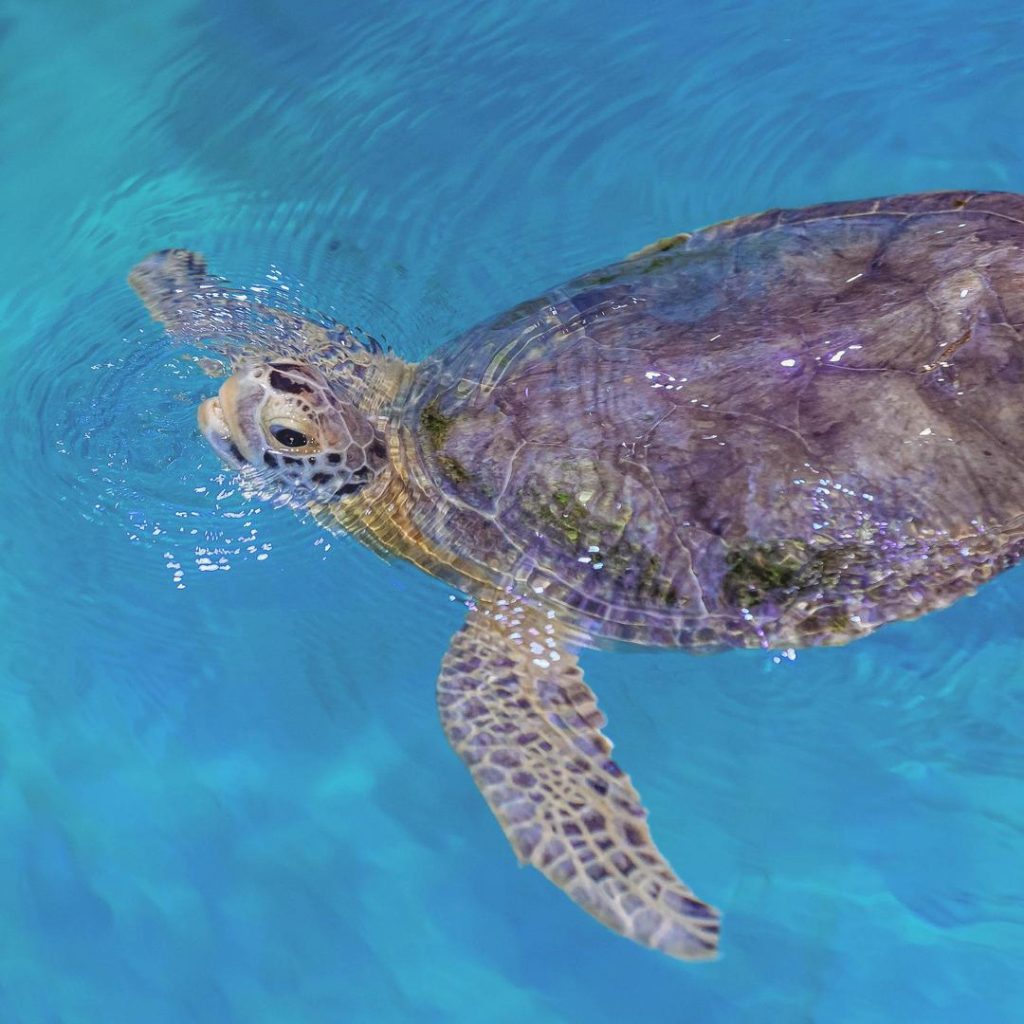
(786, 428)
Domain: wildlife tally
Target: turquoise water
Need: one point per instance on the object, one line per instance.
(224, 794)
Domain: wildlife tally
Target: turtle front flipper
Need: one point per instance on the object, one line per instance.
(516, 710)
(174, 286)
(181, 294)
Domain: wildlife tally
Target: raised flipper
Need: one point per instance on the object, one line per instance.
(180, 293)
(515, 708)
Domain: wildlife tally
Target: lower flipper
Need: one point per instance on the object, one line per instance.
(516, 710)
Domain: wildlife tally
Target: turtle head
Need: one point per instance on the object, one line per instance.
(296, 429)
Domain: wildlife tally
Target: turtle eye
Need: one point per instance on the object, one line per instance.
(288, 436)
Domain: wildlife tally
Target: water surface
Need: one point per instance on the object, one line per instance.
(224, 794)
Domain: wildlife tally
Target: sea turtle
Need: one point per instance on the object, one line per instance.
(782, 430)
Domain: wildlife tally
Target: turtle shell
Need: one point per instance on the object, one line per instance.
(783, 429)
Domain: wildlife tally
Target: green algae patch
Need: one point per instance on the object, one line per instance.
(574, 528)
(435, 424)
(453, 469)
(758, 572)
(656, 264)
(663, 245)
(436, 427)
(827, 622)
(565, 515)
(639, 571)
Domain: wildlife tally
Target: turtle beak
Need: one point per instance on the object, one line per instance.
(214, 428)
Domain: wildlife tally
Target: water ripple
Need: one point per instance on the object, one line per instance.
(408, 171)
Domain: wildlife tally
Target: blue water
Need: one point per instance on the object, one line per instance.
(224, 794)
